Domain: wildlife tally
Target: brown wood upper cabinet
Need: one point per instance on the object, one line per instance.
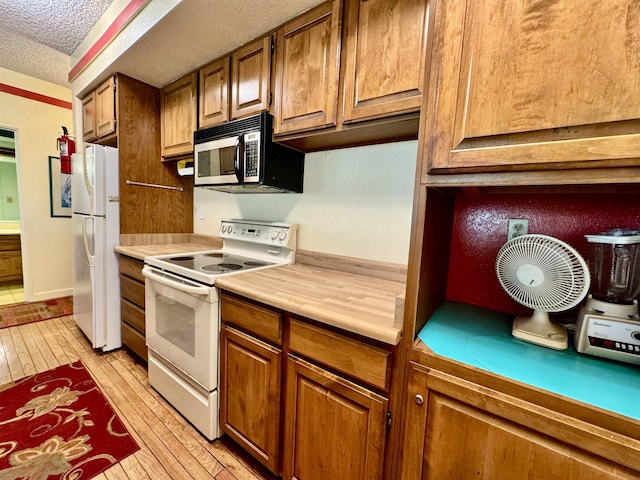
(99, 112)
(251, 78)
(178, 116)
(213, 94)
(384, 48)
(306, 70)
(237, 85)
(509, 91)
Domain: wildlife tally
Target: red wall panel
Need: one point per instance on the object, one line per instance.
(480, 229)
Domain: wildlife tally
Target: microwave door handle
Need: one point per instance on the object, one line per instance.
(238, 163)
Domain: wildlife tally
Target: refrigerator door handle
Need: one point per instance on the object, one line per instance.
(87, 180)
(87, 247)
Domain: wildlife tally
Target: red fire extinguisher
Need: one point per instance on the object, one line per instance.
(67, 147)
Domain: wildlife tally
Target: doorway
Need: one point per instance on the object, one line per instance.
(11, 277)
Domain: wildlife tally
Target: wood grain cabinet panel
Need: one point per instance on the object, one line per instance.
(132, 305)
(250, 394)
(333, 428)
(10, 258)
(105, 108)
(99, 113)
(307, 69)
(89, 132)
(454, 430)
(213, 95)
(510, 91)
(250, 78)
(178, 116)
(384, 48)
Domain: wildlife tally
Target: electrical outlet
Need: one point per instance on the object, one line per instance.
(517, 227)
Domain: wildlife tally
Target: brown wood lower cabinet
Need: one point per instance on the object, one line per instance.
(333, 407)
(10, 258)
(250, 394)
(132, 305)
(455, 429)
(333, 427)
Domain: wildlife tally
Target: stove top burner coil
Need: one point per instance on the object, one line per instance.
(182, 259)
(222, 267)
(214, 255)
(255, 263)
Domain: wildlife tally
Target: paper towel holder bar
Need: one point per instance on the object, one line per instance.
(153, 185)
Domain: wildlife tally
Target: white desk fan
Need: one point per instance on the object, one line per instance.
(547, 275)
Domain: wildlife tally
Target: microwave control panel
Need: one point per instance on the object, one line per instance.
(251, 156)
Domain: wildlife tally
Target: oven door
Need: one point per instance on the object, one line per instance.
(218, 162)
(182, 324)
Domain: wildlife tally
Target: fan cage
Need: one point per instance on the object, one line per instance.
(558, 275)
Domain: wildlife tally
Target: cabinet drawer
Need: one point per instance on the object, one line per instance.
(134, 340)
(10, 264)
(9, 243)
(352, 357)
(132, 291)
(133, 315)
(264, 323)
(131, 267)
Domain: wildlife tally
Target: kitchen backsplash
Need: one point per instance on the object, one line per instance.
(357, 202)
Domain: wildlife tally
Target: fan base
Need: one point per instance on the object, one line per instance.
(547, 334)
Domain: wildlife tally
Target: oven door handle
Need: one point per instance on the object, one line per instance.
(165, 280)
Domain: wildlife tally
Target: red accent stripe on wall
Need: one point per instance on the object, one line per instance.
(34, 96)
(121, 21)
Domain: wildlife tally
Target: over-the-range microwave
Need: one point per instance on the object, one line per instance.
(241, 157)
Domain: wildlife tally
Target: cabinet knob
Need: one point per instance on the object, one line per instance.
(419, 399)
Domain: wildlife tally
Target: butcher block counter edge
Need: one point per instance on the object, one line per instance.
(364, 305)
(145, 245)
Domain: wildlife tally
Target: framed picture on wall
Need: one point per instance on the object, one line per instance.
(59, 189)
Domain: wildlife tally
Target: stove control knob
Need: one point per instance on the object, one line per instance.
(274, 235)
(282, 235)
(636, 335)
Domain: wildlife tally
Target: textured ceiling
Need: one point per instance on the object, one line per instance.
(59, 24)
(37, 36)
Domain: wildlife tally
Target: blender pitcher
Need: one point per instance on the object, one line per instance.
(614, 264)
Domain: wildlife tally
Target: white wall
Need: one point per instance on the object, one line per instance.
(46, 241)
(357, 202)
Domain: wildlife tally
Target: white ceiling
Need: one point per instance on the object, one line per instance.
(37, 36)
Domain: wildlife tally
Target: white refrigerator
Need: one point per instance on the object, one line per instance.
(96, 232)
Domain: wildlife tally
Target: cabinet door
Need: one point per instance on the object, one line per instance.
(333, 428)
(213, 98)
(250, 394)
(89, 117)
(385, 43)
(526, 85)
(178, 114)
(307, 66)
(453, 432)
(250, 78)
(105, 108)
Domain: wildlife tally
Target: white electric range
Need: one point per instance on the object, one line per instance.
(182, 312)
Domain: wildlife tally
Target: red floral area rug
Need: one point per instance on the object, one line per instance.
(58, 425)
(21, 313)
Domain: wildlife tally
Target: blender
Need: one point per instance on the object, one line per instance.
(609, 323)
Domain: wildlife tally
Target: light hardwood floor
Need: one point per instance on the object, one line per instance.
(170, 448)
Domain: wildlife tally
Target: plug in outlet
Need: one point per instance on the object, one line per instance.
(517, 227)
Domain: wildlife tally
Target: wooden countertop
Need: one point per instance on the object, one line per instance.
(360, 304)
(146, 245)
(141, 251)
(360, 296)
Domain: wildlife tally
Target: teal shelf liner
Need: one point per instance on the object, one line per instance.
(482, 338)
